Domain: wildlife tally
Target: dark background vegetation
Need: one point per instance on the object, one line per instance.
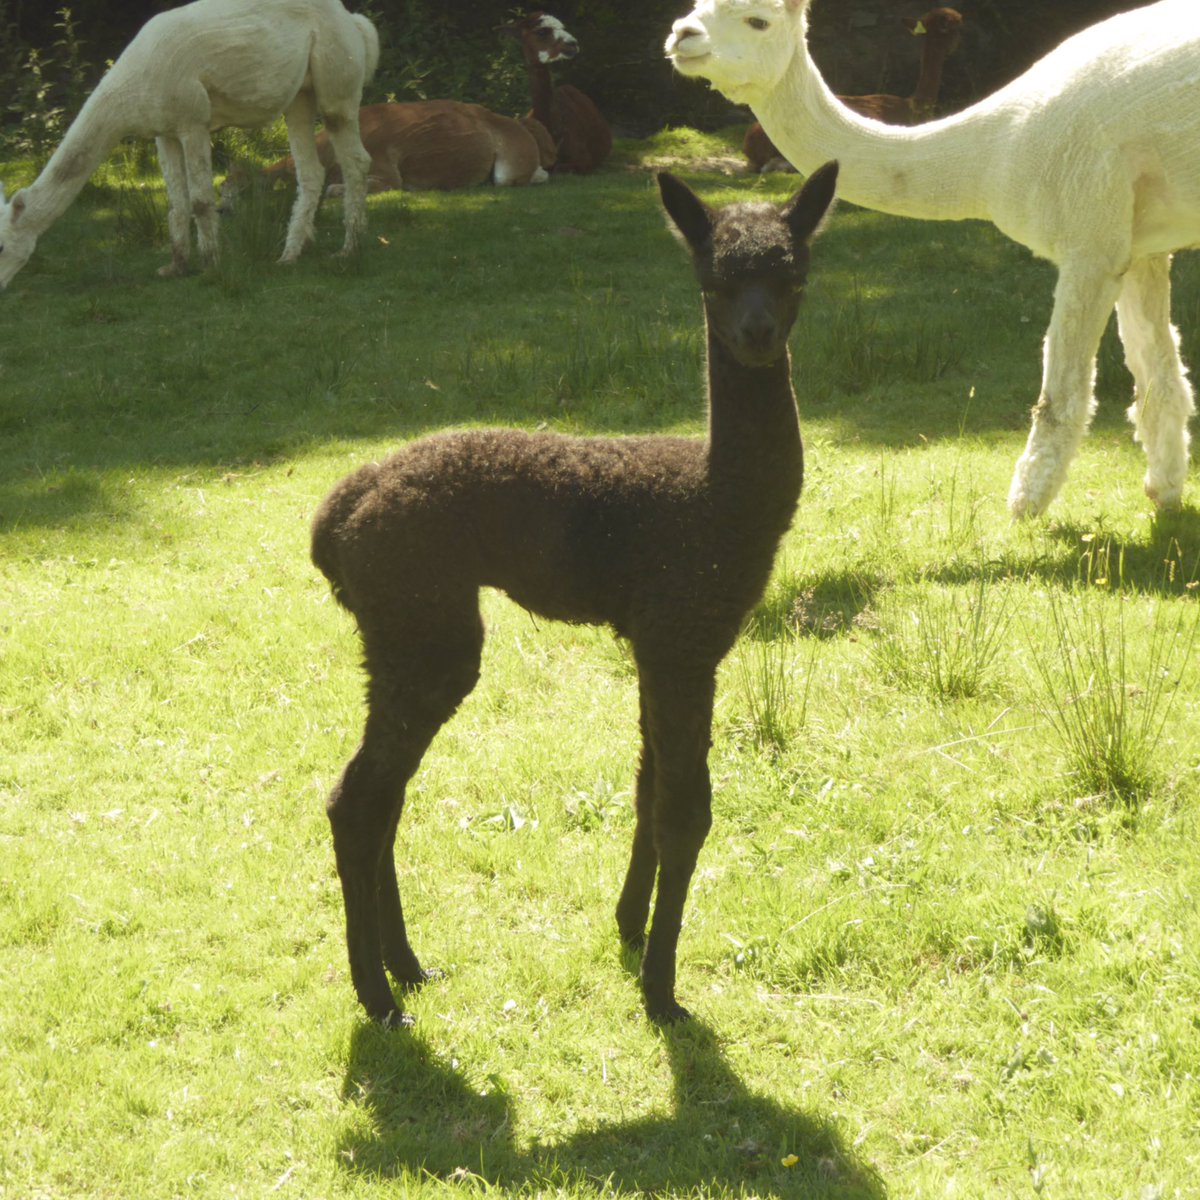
(449, 48)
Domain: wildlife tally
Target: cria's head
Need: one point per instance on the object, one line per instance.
(743, 47)
(751, 260)
(16, 239)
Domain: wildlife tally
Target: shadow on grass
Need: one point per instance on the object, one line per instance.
(426, 1117)
(1164, 561)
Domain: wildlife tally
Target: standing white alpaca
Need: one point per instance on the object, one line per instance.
(1091, 159)
(201, 67)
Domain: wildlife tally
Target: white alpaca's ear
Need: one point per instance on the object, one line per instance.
(17, 207)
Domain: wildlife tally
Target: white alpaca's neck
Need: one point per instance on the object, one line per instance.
(93, 133)
(934, 171)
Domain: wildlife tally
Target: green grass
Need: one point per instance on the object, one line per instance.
(928, 955)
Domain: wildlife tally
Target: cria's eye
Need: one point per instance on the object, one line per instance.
(758, 22)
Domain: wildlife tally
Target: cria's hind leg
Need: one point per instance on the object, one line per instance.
(1162, 397)
(418, 676)
(633, 908)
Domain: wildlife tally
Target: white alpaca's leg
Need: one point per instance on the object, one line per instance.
(179, 221)
(355, 162)
(301, 115)
(1162, 395)
(1083, 300)
(197, 157)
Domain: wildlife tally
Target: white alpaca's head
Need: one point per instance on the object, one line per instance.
(16, 241)
(743, 47)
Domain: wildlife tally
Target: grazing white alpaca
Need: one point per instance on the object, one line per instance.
(1091, 159)
(198, 68)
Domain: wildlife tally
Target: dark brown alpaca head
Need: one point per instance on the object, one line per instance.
(544, 39)
(943, 27)
(751, 260)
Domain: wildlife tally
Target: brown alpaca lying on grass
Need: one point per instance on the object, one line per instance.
(428, 145)
(669, 540)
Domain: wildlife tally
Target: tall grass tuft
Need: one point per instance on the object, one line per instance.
(944, 643)
(1106, 702)
(774, 704)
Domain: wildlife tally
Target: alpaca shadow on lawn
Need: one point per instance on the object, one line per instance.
(426, 1116)
(1164, 561)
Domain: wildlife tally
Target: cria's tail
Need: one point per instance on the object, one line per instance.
(329, 528)
(370, 37)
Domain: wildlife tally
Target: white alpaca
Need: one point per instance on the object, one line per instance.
(198, 68)
(1091, 159)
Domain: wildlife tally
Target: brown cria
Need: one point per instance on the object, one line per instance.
(942, 30)
(667, 540)
(581, 135)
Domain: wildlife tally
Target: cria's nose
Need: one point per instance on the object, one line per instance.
(758, 332)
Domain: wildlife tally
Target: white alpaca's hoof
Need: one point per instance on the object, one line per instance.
(1023, 505)
(1166, 497)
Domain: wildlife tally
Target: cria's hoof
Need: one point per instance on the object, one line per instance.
(428, 975)
(398, 1020)
(668, 1014)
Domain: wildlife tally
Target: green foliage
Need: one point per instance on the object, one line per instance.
(924, 950)
(48, 88)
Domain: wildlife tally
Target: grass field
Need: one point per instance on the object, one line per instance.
(944, 936)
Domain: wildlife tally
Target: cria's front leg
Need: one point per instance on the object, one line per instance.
(678, 718)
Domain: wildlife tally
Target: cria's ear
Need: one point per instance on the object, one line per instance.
(805, 211)
(17, 207)
(690, 215)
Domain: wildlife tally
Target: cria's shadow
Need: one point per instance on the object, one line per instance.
(824, 606)
(425, 1116)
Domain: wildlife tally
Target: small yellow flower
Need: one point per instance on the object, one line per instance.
(790, 1160)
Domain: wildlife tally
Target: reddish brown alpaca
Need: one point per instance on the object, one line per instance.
(426, 145)
(581, 135)
(942, 31)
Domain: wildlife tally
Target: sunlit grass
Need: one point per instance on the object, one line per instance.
(927, 952)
